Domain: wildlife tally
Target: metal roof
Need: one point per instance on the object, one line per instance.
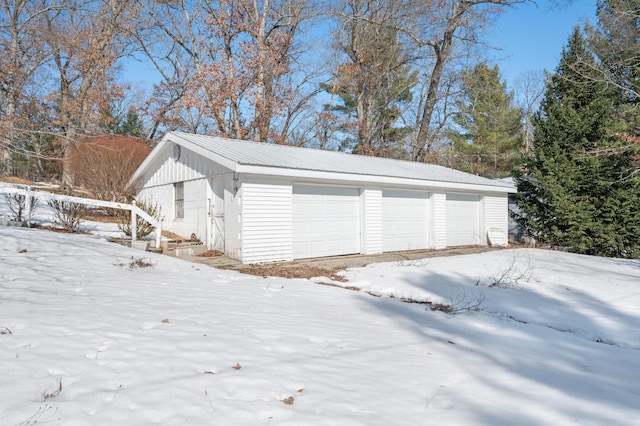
(288, 157)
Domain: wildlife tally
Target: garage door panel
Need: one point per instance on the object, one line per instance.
(405, 223)
(463, 219)
(326, 221)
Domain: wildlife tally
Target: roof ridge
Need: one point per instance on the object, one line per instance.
(250, 142)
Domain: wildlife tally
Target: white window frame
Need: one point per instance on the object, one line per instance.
(178, 197)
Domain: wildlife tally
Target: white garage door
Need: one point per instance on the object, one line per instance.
(326, 221)
(463, 220)
(404, 220)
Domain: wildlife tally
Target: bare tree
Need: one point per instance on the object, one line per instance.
(86, 39)
(529, 88)
(22, 54)
(374, 77)
(239, 57)
(103, 164)
(438, 26)
(164, 106)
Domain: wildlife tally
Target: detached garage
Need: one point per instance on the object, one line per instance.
(260, 202)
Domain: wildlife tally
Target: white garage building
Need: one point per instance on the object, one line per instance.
(260, 202)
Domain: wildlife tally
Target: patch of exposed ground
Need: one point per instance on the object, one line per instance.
(59, 229)
(211, 253)
(101, 215)
(291, 271)
(15, 180)
(443, 307)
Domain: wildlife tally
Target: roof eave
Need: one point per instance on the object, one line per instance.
(145, 164)
(383, 180)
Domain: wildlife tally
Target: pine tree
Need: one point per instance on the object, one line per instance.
(118, 122)
(131, 125)
(488, 128)
(578, 190)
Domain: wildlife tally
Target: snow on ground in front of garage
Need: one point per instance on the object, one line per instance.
(95, 333)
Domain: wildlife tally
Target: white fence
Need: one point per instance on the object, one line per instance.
(136, 211)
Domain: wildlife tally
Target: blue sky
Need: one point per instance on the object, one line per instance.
(532, 37)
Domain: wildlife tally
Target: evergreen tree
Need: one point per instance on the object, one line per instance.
(488, 131)
(578, 189)
(131, 125)
(117, 122)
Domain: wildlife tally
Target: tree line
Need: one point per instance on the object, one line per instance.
(375, 77)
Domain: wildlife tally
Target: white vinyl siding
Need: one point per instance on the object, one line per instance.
(463, 220)
(372, 220)
(326, 221)
(405, 224)
(266, 221)
(190, 166)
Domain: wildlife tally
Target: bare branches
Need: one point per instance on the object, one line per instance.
(68, 213)
(530, 88)
(18, 206)
(239, 55)
(374, 78)
(22, 54)
(438, 27)
(86, 39)
(104, 164)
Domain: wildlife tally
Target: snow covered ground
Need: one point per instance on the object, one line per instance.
(92, 333)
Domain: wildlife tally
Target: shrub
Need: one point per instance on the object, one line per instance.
(103, 164)
(512, 275)
(17, 204)
(70, 214)
(123, 218)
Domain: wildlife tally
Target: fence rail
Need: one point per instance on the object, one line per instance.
(29, 193)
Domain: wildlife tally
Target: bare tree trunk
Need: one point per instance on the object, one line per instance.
(442, 49)
(6, 145)
(462, 15)
(67, 159)
(260, 21)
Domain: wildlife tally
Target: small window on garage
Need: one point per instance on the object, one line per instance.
(178, 191)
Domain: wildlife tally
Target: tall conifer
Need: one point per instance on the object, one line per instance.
(578, 189)
(487, 134)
